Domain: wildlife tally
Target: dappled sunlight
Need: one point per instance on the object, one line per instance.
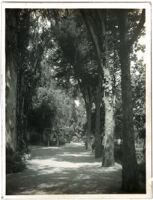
(68, 169)
(70, 160)
(85, 154)
(35, 164)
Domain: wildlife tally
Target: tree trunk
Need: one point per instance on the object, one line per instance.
(108, 140)
(11, 79)
(101, 49)
(129, 174)
(88, 132)
(98, 145)
(58, 142)
(22, 92)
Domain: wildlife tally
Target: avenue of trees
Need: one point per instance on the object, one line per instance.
(57, 57)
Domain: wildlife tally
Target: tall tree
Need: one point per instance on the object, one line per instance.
(98, 35)
(98, 136)
(129, 175)
(31, 46)
(11, 78)
(22, 42)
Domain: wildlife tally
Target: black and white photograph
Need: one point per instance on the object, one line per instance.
(76, 120)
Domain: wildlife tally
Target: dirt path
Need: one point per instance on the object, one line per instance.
(69, 169)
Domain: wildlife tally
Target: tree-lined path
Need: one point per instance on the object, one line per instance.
(76, 78)
(69, 169)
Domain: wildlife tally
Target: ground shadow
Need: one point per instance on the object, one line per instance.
(67, 170)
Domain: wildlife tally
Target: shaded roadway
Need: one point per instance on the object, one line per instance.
(68, 169)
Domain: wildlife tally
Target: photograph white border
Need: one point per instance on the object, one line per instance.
(75, 5)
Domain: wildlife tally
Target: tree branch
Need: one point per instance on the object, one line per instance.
(101, 18)
(94, 40)
(138, 29)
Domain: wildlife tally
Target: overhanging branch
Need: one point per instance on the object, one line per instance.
(138, 29)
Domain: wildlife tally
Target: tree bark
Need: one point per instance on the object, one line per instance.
(101, 51)
(11, 79)
(98, 144)
(129, 173)
(88, 132)
(22, 91)
(108, 141)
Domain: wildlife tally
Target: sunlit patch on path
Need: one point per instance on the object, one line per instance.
(68, 169)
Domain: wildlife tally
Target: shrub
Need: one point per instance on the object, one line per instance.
(14, 161)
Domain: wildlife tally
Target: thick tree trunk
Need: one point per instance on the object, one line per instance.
(20, 110)
(98, 145)
(129, 174)
(22, 92)
(129, 182)
(11, 80)
(108, 141)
